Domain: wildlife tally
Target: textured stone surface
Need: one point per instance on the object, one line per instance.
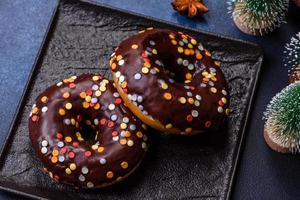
(176, 167)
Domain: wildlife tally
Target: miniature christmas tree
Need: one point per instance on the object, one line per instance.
(291, 58)
(258, 17)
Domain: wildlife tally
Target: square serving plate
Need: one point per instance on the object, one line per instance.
(81, 38)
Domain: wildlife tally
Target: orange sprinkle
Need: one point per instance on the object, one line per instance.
(82, 95)
(168, 96)
(199, 56)
(187, 52)
(85, 104)
(44, 99)
(207, 53)
(139, 134)
(97, 106)
(54, 159)
(68, 139)
(174, 42)
(35, 110)
(119, 57)
(188, 130)
(134, 46)
(124, 164)
(188, 76)
(147, 64)
(113, 66)
(109, 174)
(100, 149)
(123, 141)
(55, 152)
(124, 84)
(127, 134)
(191, 100)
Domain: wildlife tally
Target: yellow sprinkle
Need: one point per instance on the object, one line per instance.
(190, 46)
(68, 106)
(100, 149)
(73, 166)
(213, 90)
(66, 95)
(88, 98)
(124, 84)
(102, 88)
(154, 51)
(130, 143)
(98, 93)
(105, 81)
(73, 121)
(134, 46)
(164, 85)
(55, 152)
(205, 73)
(188, 76)
(171, 36)
(193, 41)
(139, 134)
(119, 57)
(68, 139)
(35, 110)
(168, 96)
(145, 70)
(123, 126)
(180, 49)
(214, 79)
(224, 100)
(68, 171)
(169, 126)
(147, 64)
(44, 99)
(156, 69)
(94, 147)
(124, 164)
(95, 78)
(182, 100)
(109, 174)
(85, 104)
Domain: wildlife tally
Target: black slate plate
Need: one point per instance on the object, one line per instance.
(81, 38)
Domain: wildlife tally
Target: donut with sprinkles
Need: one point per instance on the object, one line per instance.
(170, 82)
(84, 134)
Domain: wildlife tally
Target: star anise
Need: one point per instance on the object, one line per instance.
(191, 7)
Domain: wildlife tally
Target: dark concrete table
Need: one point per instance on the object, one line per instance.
(262, 174)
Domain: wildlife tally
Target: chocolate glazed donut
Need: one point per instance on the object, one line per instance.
(84, 134)
(170, 82)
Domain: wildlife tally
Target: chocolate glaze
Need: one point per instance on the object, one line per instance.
(53, 139)
(173, 55)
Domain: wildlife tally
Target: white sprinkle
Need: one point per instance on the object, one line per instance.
(44, 150)
(180, 43)
(67, 121)
(195, 113)
(202, 85)
(44, 143)
(152, 71)
(139, 99)
(129, 96)
(59, 84)
(220, 109)
(44, 109)
(145, 112)
(186, 87)
(114, 117)
(132, 127)
(198, 97)
(171, 80)
(125, 120)
(197, 103)
(113, 54)
(145, 137)
(141, 107)
(118, 74)
(60, 144)
(151, 42)
(190, 66)
(94, 100)
(81, 178)
(121, 62)
(90, 184)
(111, 106)
(115, 138)
(116, 95)
(185, 63)
(179, 61)
(85, 170)
(144, 145)
(73, 77)
(189, 94)
(122, 133)
(200, 47)
(224, 92)
(134, 97)
(61, 158)
(95, 87)
(137, 76)
(103, 161)
(211, 83)
(122, 78)
(96, 122)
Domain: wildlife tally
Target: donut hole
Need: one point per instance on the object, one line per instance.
(88, 133)
(172, 69)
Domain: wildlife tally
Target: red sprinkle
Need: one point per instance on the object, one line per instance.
(207, 124)
(92, 104)
(189, 118)
(34, 118)
(102, 121)
(75, 144)
(192, 87)
(87, 153)
(56, 177)
(72, 85)
(59, 136)
(71, 154)
(110, 124)
(89, 92)
(115, 133)
(144, 55)
(63, 150)
(221, 103)
(79, 118)
(118, 101)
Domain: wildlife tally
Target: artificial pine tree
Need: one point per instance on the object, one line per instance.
(291, 58)
(258, 17)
